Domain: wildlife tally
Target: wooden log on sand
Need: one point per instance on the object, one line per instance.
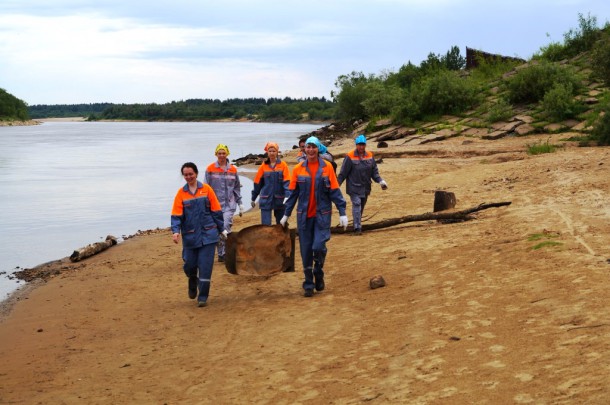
(92, 249)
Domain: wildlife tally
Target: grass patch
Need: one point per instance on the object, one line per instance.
(540, 147)
(545, 237)
(546, 243)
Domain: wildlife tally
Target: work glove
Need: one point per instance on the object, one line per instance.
(383, 184)
(285, 199)
(252, 204)
(343, 221)
(283, 221)
(224, 235)
(241, 210)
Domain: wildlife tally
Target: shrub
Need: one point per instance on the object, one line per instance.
(500, 111)
(553, 52)
(575, 41)
(600, 59)
(559, 102)
(442, 93)
(601, 129)
(529, 85)
(380, 98)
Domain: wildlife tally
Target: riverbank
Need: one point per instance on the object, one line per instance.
(509, 307)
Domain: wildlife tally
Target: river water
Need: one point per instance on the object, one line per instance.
(64, 185)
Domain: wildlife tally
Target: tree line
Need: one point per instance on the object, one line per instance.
(12, 108)
(271, 109)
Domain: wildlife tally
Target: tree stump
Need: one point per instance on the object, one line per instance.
(443, 200)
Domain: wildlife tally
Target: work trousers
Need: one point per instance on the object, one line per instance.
(199, 262)
(313, 253)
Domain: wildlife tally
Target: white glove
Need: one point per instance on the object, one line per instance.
(224, 235)
(343, 221)
(241, 210)
(285, 199)
(253, 204)
(383, 184)
(283, 220)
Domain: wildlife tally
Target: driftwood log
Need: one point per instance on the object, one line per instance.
(462, 215)
(92, 249)
(260, 250)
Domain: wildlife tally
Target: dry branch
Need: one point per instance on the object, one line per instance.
(453, 215)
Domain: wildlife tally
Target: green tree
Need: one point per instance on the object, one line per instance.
(12, 108)
(351, 95)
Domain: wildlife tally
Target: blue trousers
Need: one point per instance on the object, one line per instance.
(199, 262)
(358, 204)
(313, 253)
(278, 213)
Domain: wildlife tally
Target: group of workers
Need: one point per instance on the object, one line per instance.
(203, 212)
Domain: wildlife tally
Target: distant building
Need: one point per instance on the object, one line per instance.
(473, 56)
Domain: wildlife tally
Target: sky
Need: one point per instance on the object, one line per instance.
(153, 51)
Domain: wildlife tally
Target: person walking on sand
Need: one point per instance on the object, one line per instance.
(358, 169)
(197, 215)
(271, 185)
(314, 185)
(223, 178)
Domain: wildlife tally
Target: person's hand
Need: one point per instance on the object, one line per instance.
(383, 184)
(176, 237)
(285, 199)
(284, 220)
(252, 204)
(241, 210)
(343, 221)
(224, 234)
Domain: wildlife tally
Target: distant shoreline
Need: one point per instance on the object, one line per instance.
(84, 119)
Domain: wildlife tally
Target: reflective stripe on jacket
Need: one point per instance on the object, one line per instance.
(271, 184)
(226, 185)
(198, 217)
(326, 189)
(358, 171)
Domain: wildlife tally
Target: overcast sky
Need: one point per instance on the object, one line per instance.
(122, 51)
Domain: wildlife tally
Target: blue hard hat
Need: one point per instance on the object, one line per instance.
(360, 139)
(314, 141)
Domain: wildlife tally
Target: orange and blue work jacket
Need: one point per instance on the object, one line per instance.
(226, 185)
(271, 183)
(198, 216)
(358, 171)
(326, 190)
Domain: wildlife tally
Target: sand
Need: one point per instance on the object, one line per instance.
(471, 312)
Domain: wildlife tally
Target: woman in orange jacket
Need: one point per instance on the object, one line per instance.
(197, 215)
(271, 185)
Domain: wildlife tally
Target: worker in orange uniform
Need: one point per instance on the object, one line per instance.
(314, 185)
(197, 215)
(223, 178)
(271, 185)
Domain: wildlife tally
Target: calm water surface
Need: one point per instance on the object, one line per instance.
(64, 185)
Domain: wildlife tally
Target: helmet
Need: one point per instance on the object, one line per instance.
(360, 139)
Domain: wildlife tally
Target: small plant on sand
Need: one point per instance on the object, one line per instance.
(545, 237)
(539, 148)
(546, 243)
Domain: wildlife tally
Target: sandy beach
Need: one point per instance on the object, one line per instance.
(509, 307)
